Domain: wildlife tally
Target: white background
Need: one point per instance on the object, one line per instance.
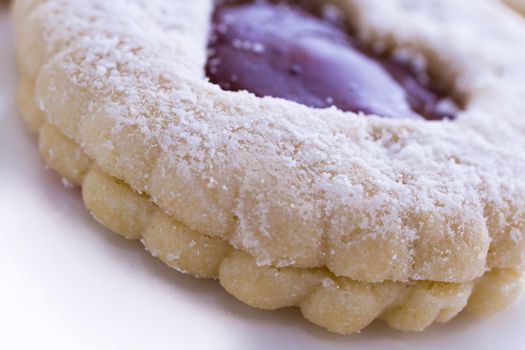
(67, 283)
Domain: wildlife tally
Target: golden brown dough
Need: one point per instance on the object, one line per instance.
(349, 218)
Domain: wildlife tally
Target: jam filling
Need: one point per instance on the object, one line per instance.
(308, 56)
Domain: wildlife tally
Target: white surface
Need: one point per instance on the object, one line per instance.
(67, 283)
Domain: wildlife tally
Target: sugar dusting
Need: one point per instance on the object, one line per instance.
(278, 165)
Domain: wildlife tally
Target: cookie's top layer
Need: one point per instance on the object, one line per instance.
(369, 198)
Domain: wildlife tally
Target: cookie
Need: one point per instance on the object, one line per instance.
(350, 211)
(517, 5)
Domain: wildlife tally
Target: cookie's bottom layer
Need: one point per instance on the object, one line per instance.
(339, 304)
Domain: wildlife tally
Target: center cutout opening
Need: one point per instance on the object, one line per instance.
(306, 53)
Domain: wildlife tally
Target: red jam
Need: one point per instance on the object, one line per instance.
(286, 51)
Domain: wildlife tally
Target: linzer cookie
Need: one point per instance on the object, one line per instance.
(358, 159)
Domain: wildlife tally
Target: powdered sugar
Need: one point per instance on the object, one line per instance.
(283, 181)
